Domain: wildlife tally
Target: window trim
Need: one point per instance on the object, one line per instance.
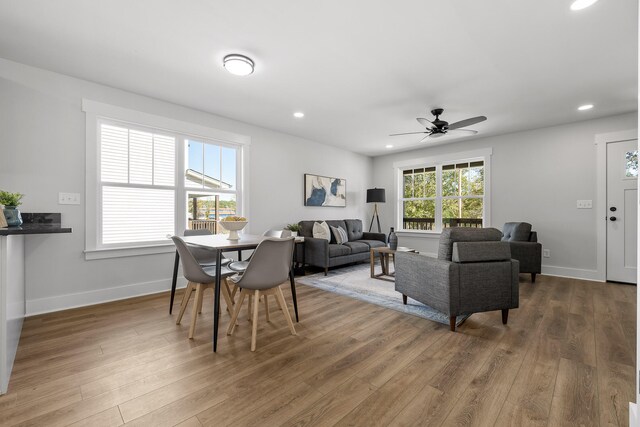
(483, 154)
(97, 111)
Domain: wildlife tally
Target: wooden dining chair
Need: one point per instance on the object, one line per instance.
(199, 278)
(268, 269)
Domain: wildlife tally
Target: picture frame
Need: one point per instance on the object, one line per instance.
(324, 191)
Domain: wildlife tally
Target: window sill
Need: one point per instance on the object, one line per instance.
(418, 233)
(92, 254)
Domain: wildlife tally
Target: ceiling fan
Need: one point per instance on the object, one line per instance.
(438, 128)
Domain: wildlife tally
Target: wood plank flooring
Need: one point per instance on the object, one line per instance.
(566, 357)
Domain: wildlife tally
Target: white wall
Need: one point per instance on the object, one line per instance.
(536, 176)
(42, 152)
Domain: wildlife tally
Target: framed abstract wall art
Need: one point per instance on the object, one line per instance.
(324, 191)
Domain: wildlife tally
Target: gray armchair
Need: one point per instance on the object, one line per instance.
(524, 247)
(473, 273)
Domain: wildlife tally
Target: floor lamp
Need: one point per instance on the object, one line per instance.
(375, 196)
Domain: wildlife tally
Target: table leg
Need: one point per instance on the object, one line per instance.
(372, 261)
(174, 281)
(216, 299)
(293, 293)
(384, 271)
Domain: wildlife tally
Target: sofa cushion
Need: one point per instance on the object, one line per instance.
(354, 229)
(373, 243)
(464, 234)
(516, 232)
(335, 223)
(338, 250)
(321, 231)
(464, 252)
(357, 247)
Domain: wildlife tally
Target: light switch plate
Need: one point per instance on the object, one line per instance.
(68, 198)
(584, 204)
(546, 253)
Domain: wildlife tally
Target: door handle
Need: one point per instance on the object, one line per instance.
(612, 218)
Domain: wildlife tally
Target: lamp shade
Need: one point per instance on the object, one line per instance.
(375, 195)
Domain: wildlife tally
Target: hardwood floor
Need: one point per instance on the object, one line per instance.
(565, 358)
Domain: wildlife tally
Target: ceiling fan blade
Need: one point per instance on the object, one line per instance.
(425, 138)
(424, 122)
(467, 131)
(437, 135)
(406, 133)
(467, 122)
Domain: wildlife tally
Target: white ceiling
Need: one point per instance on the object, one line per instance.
(359, 70)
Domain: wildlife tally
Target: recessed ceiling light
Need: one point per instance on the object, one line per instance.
(585, 107)
(388, 146)
(298, 114)
(582, 4)
(239, 65)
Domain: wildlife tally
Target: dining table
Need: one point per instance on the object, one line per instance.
(220, 243)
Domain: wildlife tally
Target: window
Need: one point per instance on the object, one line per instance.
(631, 164)
(442, 194)
(150, 176)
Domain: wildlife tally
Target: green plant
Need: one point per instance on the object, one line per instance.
(293, 227)
(10, 199)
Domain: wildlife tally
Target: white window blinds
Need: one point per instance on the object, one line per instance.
(137, 185)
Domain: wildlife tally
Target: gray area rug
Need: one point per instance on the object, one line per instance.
(356, 282)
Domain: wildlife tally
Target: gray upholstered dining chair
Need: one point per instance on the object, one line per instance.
(241, 266)
(268, 269)
(205, 257)
(199, 277)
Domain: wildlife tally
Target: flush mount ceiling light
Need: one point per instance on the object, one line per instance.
(582, 4)
(239, 65)
(388, 146)
(585, 107)
(298, 114)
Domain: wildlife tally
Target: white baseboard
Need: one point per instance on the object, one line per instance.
(82, 299)
(573, 273)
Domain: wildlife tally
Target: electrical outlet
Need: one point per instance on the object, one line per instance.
(546, 253)
(584, 204)
(68, 198)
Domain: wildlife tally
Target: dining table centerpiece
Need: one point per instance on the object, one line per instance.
(233, 224)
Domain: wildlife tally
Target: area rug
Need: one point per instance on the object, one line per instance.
(356, 282)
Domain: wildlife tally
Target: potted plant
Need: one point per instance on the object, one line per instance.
(11, 201)
(294, 229)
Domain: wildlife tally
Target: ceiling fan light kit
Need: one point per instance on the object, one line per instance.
(438, 127)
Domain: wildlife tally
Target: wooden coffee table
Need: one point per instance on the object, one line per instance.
(384, 253)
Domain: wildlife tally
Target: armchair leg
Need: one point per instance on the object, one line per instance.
(452, 323)
(505, 316)
(533, 277)
(326, 271)
(404, 299)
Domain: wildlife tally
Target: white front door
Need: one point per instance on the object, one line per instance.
(622, 210)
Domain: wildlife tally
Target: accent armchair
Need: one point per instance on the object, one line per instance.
(473, 273)
(524, 247)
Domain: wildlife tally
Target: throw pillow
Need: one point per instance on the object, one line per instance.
(321, 231)
(340, 235)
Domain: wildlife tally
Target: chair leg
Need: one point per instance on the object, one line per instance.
(236, 312)
(404, 299)
(505, 316)
(326, 271)
(185, 301)
(200, 302)
(194, 313)
(533, 277)
(224, 290)
(285, 310)
(452, 323)
(266, 307)
(254, 328)
(249, 306)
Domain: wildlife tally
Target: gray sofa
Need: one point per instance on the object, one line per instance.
(325, 254)
(524, 247)
(473, 273)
